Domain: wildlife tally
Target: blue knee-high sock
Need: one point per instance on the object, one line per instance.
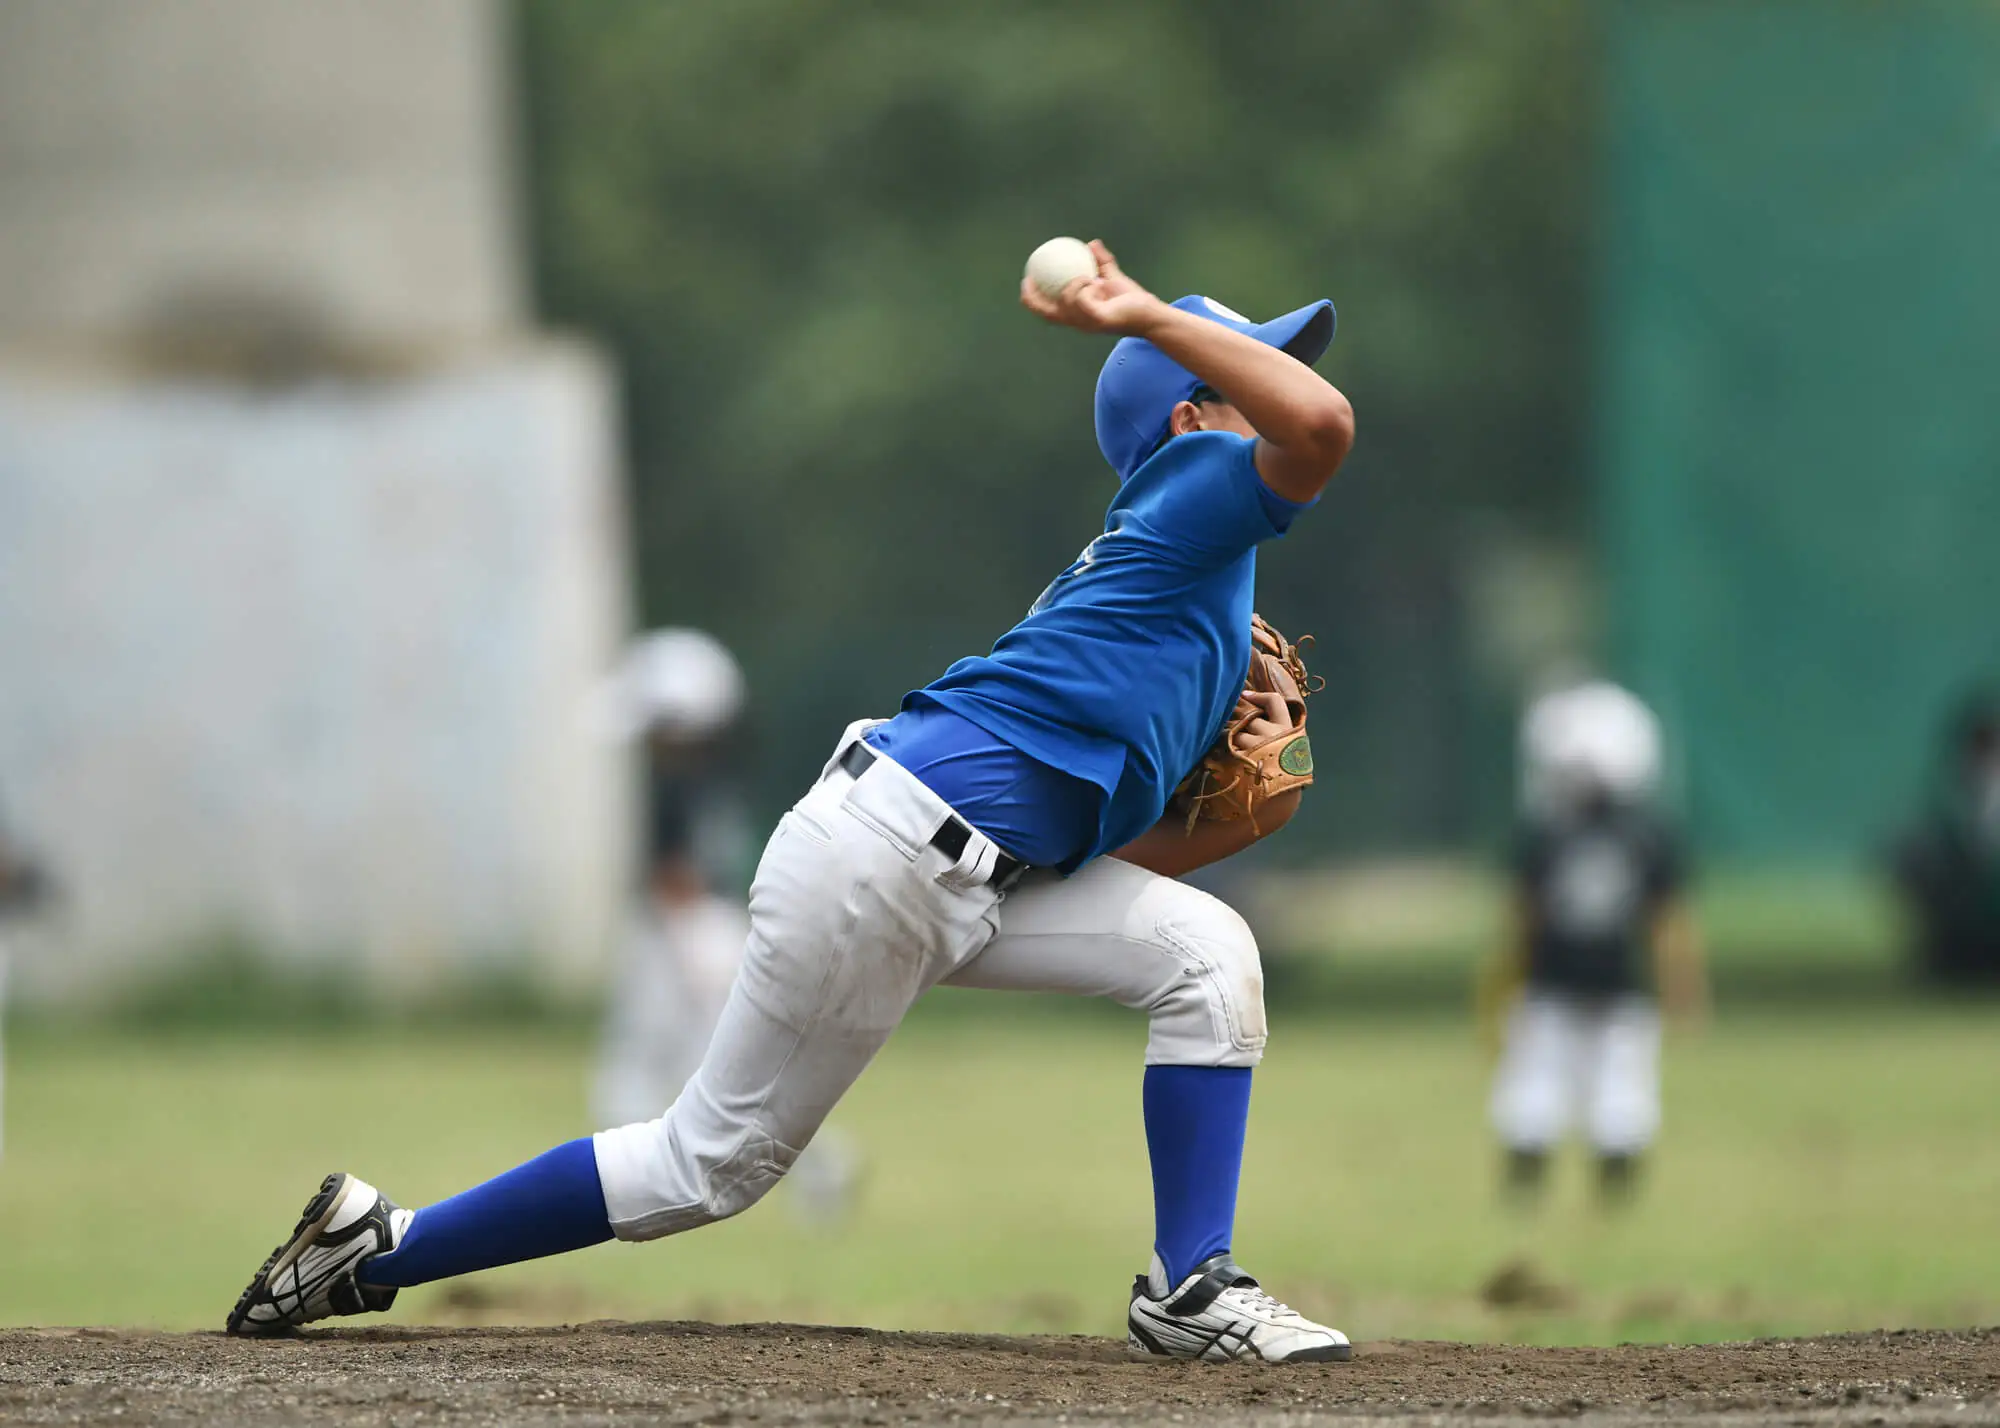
(551, 1205)
(1195, 1119)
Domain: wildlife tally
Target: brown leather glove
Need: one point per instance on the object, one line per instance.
(1263, 750)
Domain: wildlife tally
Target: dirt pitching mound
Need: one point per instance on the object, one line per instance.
(779, 1373)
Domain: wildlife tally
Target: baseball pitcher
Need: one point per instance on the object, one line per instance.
(1018, 825)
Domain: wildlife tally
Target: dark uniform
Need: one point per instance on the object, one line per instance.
(1948, 866)
(1583, 1041)
(1593, 884)
(696, 816)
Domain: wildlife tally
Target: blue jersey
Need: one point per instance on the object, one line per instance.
(1125, 669)
(1035, 813)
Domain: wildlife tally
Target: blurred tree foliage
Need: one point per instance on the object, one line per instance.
(800, 224)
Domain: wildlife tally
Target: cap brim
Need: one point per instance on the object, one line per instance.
(1304, 334)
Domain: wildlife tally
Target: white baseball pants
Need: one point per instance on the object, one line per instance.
(1571, 1059)
(853, 916)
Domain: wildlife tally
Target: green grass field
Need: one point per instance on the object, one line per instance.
(1820, 1171)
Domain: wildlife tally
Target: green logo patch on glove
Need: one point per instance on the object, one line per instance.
(1297, 758)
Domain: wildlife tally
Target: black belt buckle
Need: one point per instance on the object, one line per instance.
(951, 839)
(1007, 871)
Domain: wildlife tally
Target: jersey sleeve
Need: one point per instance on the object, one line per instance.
(1282, 512)
(1204, 497)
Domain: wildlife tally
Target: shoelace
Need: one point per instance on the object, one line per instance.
(1254, 1297)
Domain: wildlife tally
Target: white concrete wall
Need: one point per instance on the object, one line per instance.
(347, 160)
(305, 667)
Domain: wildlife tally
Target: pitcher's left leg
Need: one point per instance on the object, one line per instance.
(1190, 963)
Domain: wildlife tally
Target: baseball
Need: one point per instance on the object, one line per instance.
(1059, 262)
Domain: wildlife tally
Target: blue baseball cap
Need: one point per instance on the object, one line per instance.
(1140, 385)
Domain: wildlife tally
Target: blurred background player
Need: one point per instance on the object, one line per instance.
(679, 694)
(1947, 866)
(1599, 881)
(23, 888)
(675, 694)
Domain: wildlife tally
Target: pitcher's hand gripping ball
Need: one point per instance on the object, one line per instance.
(1058, 263)
(1263, 750)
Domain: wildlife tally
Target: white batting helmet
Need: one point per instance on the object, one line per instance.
(1596, 734)
(679, 682)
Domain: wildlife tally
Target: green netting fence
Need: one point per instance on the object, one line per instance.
(1801, 397)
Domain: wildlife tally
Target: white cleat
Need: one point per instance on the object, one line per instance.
(312, 1275)
(1218, 1313)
